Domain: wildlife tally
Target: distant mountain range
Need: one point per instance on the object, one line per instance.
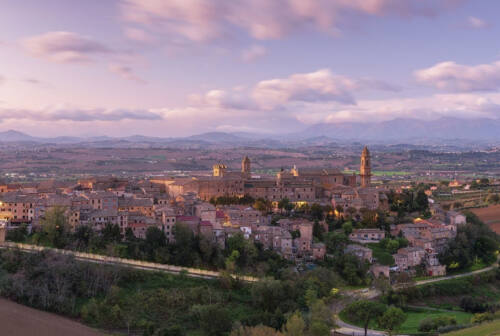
(411, 131)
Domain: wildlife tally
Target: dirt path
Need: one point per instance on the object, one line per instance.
(19, 320)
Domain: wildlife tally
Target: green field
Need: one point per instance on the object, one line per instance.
(486, 329)
(414, 316)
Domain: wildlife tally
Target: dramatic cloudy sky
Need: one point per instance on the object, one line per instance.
(179, 67)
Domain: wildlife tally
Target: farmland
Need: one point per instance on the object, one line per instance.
(489, 215)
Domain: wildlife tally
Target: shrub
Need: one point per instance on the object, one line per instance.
(481, 317)
(426, 325)
(449, 328)
(432, 324)
(473, 305)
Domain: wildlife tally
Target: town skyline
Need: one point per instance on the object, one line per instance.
(183, 68)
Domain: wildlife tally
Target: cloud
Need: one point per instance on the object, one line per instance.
(77, 114)
(205, 20)
(476, 23)
(318, 86)
(64, 47)
(433, 107)
(125, 72)
(281, 93)
(451, 76)
(236, 100)
(253, 53)
(321, 85)
(138, 35)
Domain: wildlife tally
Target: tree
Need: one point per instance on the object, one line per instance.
(474, 240)
(351, 211)
(214, 320)
(56, 227)
(421, 201)
(111, 233)
(155, 238)
(336, 242)
(285, 204)
(392, 319)
(18, 234)
(295, 325)
(246, 249)
(316, 211)
(321, 319)
(347, 227)
(318, 231)
(183, 247)
(262, 205)
(364, 312)
(392, 246)
(259, 330)
(382, 284)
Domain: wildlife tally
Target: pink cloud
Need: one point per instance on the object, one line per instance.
(125, 72)
(138, 35)
(451, 76)
(476, 23)
(204, 20)
(321, 85)
(253, 53)
(64, 47)
(78, 114)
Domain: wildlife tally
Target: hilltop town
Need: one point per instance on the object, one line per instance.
(297, 214)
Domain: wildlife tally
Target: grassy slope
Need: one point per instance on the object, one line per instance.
(486, 329)
(415, 316)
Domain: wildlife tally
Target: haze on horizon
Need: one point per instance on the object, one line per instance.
(180, 67)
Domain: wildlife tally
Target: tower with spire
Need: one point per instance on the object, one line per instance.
(365, 170)
(246, 167)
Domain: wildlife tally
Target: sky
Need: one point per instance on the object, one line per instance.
(181, 67)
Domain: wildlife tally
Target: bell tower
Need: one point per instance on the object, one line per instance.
(365, 170)
(219, 170)
(2, 232)
(246, 167)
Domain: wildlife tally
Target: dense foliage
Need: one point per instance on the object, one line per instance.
(475, 241)
(158, 304)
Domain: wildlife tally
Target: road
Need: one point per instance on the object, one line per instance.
(448, 277)
(368, 294)
(351, 330)
(130, 263)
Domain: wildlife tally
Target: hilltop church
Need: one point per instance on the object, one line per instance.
(297, 184)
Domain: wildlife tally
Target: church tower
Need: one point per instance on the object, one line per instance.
(366, 168)
(219, 170)
(246, 167)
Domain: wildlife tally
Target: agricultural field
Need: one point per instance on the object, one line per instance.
(489, 215)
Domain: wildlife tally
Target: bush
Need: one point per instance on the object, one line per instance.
(432, 324)
(473, 305)
(481, 317)
(426, 325)
(452, 328)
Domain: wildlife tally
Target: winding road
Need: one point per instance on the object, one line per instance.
(370, 293)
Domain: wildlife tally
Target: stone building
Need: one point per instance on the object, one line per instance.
(365, 168)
